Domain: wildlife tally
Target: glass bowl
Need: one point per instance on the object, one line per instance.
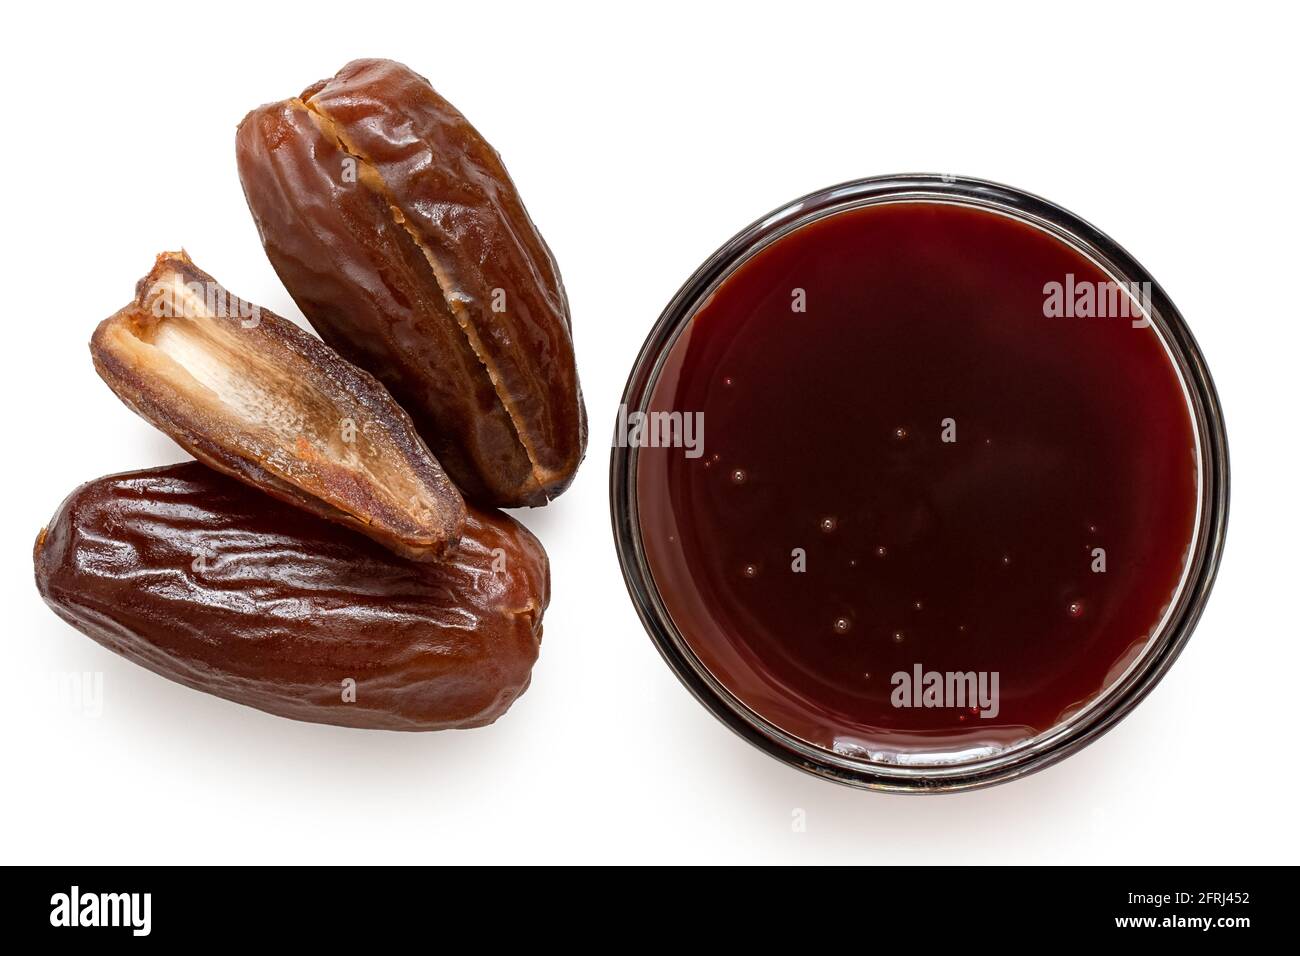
(1122, 694)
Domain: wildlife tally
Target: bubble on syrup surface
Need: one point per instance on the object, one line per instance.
(897, 637)
(1075, 609)
(750, 570)
(828, 524)
(738, 476)
(841, 625)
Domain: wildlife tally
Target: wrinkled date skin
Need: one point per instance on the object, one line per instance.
(397, 230)
(219, 587)
(256, 397)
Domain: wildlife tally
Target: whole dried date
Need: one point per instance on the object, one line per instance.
(256, 397)
(214, 585)
(397, 230)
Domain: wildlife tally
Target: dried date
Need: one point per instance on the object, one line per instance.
(399, 233)
(214, 585)
(256, 397)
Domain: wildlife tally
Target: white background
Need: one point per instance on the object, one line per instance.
(640, 142)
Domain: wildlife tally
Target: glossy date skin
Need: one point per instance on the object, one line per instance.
(217, 586)
(397, 230)
(258, 398)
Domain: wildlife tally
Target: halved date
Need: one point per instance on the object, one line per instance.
(399, 233)
(256, 397)
(214, 585)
